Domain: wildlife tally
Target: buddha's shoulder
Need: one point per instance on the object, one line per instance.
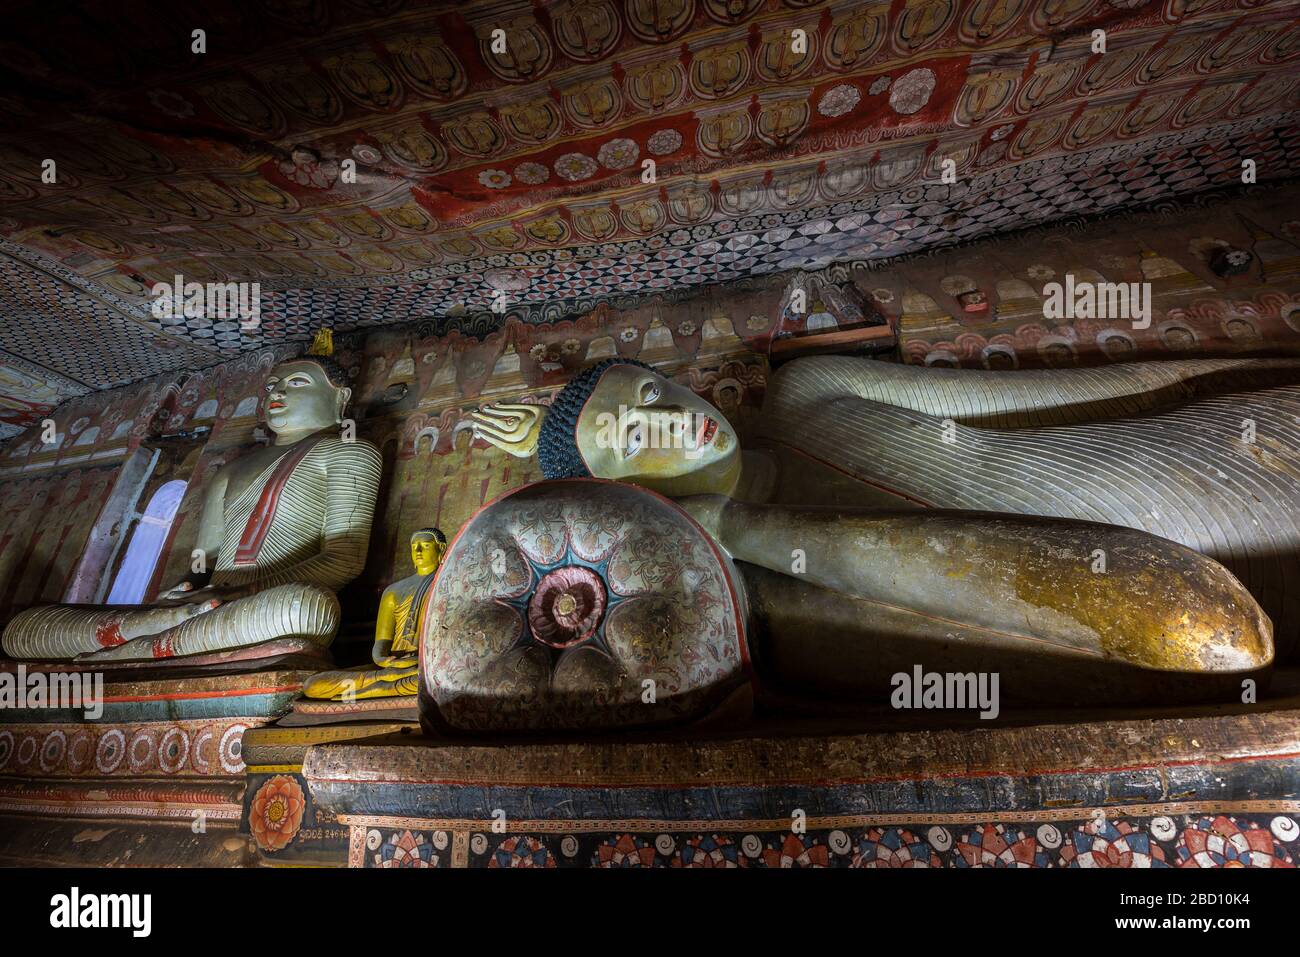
(406, 587)
(335, 448)
(813, 378)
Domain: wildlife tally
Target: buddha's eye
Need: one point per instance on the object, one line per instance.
(649, 393)
(635, 440)
(271, 385)
(299, 380)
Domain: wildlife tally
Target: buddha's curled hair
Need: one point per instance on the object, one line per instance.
(334, 371)
(321, 351)
(557, 443)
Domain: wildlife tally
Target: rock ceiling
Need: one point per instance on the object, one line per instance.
(783, 134)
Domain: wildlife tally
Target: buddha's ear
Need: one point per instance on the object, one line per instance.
(345, 396)
(511, 427)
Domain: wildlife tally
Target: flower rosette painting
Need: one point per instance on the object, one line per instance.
(579, 603)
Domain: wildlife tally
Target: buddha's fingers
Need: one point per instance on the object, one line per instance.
(177, 592)
(489, 414)
(519, 445)
(511, 427)
(513, 410)
(526, 417)
(134, 650)
(158, 618)
(506, 426)
(520, 408)
(490, 432)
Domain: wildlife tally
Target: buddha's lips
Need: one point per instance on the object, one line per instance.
(705, 433)
(276, 405)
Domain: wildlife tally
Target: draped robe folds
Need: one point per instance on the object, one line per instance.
(1205, 452)
(296, 534)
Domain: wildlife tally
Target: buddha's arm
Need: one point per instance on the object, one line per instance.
(1157, 604)
(352, 485)
(1018, 398)
(212, 523)
(385, 629)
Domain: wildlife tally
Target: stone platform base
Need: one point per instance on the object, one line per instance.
(79, 843)
(194, 772)
(286, 827)
(157, 779)
(1168, 791)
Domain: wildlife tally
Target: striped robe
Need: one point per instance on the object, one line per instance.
(322, 520)
(1203, 452)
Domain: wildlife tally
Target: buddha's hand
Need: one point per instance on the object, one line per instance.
(708, 511)
(186, 594)
(510, 426)
(178, 593)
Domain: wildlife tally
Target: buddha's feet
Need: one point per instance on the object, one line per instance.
(365, 682)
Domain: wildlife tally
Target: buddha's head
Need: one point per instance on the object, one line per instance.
(622, 420)
(427, 546)
(305, 395)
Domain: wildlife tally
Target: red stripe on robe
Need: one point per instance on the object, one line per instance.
(262, 517)
(109, 632)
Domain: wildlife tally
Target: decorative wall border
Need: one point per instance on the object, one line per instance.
(1209, 834)
(200, 748)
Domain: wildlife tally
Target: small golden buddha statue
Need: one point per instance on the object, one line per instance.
(396, 653)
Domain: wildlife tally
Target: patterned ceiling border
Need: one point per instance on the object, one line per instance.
(879, 226)
(313, 307)
(1004, 75)
(71, 329)
(37, 260)
(450, 361)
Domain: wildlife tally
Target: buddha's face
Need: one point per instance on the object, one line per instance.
(639, 427)
(426, 552)
(300, 399)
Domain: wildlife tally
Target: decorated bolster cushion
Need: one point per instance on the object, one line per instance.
(580, 604)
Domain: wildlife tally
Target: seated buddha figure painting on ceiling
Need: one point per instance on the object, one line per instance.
(658, 433)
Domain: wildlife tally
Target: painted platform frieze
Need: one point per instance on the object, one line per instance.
(1139, 839)
(1176, 793)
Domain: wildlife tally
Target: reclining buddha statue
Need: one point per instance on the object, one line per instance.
(284, 527)
(1059, 528)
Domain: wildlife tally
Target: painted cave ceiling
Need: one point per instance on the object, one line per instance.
(522, 171)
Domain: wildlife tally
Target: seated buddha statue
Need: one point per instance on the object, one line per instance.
(395, 672)
(283, 527)
(857, 531)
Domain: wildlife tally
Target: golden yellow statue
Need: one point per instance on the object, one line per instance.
(283, 529)
(397, 634)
